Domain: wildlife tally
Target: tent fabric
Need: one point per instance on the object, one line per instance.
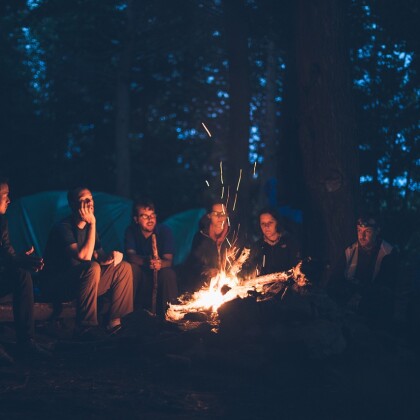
(31, 218)
(184, 226)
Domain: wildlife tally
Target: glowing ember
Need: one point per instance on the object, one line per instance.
(227, 196)
(239, 180)
(234, 203)
(226, 286)
(205, 128)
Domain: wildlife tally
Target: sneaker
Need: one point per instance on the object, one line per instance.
(32, 350)
(93, 333)
(5, 358)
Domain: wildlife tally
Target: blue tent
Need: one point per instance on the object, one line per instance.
(31, 218)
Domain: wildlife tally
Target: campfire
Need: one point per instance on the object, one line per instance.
(226, 286)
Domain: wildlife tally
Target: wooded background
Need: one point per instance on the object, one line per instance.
(322, 94)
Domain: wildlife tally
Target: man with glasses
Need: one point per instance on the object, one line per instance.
(139, 252)
(77, 267)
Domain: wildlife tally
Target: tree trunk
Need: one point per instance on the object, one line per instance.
(239, 93)
(291, 185)
(326, 128)
(268, 175)
(122, 143)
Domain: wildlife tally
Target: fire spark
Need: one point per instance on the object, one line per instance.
(226, 286)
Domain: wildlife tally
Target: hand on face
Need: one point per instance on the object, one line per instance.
(86, 207)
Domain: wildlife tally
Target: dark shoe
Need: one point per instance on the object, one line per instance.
(5, 358)
(89, 334)
(32, 350)
(114, 331)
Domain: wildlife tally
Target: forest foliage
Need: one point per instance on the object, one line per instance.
(96, 91)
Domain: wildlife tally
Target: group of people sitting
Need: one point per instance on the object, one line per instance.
(76, 267)
(276, 251)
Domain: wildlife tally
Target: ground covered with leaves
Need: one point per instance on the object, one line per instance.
(158, 371)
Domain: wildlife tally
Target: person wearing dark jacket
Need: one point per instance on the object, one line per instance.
(365, 276)
(276, 251)
(209, 247)
(16, 279)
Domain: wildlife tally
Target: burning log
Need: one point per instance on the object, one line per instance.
(226, 287)
(237, 265)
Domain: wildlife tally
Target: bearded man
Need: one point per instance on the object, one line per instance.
(139, 252)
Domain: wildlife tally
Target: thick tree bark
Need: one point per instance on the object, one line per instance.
(122, 106)
(326, 127)
(238, 142)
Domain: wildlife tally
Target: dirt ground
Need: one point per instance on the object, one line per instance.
(157, 371)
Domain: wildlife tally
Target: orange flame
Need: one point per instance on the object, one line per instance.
(225, 287)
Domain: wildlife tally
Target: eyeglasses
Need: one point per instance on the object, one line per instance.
(219, 214)
(147, 216)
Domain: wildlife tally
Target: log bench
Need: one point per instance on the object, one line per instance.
(43, 311)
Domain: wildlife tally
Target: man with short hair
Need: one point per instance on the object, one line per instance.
(16, 279)
(139, 252)
(77, 267)
(366, 275)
